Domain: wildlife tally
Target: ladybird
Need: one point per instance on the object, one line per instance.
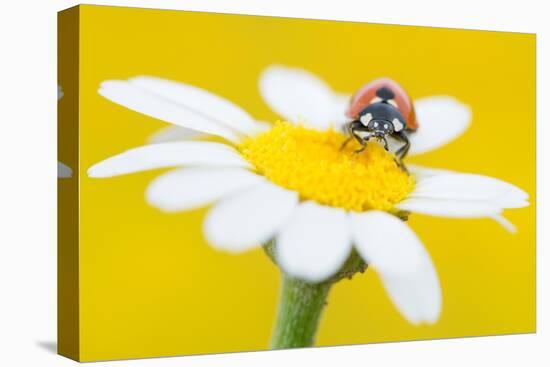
(380, 109)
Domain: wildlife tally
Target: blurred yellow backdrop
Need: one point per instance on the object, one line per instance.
(149, 283)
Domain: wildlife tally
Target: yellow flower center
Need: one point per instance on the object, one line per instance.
(311, 163)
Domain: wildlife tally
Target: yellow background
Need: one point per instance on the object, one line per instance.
(151, 286)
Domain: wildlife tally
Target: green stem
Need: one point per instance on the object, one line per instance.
(300, 309)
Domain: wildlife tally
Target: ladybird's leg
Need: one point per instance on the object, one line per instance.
(355, 128)
(346, 142)
(352, 129)
(363, 146)
(402, 152)
(386, 145)
(350, 136)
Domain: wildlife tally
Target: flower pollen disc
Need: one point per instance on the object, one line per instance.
(311, 163)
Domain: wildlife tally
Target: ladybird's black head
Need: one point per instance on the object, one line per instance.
(381, 119)
(379, 128)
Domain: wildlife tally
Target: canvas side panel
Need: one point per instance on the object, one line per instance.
(68, 322)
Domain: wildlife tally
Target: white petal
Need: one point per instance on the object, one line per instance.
(154, 105)
(208, 104)
(341, 104)
(262, 127)
(395, 252)
(300, 96)
(250, 218)
(63, 171)
(441, 119)
(173, 133)
(178, 133)
(421, 172)
(192, 153)
(505, 223)
(471, 187)
(314, 243)
(449, 208)
(386, 243)
(417, 296)
(190, 188)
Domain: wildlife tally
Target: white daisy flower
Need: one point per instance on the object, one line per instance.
(290, 183)
(63, 171)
